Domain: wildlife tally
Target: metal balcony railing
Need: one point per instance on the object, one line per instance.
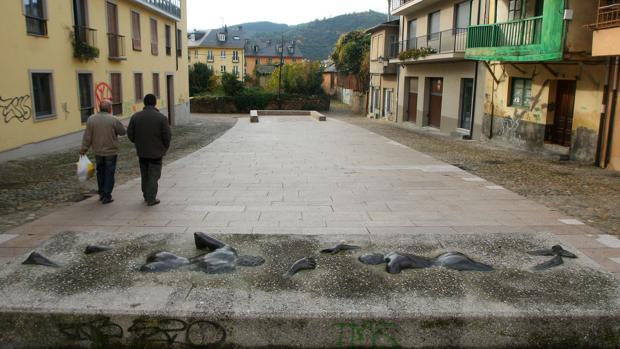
(608, 17)
(85, 36)
(399, 3)
(513, 33)
(448, 41)
(116, 45)
(172, 7)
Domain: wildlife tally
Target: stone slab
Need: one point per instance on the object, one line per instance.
(103, 299)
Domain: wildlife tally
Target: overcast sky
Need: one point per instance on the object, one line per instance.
(210, 14)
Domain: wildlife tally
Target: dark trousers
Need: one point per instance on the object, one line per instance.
(150, 170)
(106, 167)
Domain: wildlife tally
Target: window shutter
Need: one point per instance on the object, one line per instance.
(135, 31)
(154, 38)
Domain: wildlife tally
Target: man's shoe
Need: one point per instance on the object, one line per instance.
(107, 201)
(153, 203)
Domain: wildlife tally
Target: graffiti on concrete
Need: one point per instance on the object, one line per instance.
(96, 331)
(148, 331)
(16, 108)
(103, 91)
(367, 333)
(196, 334)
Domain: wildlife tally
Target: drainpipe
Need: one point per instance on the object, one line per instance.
(492, 106)
(473, 103)
(612, 114)
(603, 117)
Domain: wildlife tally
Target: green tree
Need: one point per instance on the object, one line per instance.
(352, 56)
(231, 85)
(200, 79)
(302, 78)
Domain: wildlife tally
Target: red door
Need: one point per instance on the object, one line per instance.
(434, 107)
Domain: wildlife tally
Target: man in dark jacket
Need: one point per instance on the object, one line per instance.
(150, 132)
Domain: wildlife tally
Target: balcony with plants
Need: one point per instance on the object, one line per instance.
(537, 35)
(84, 42)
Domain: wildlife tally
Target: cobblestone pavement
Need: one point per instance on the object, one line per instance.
(583, 191)
(32, 188)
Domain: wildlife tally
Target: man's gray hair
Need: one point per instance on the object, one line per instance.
(105, 106)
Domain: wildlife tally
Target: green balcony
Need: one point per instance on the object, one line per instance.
(532, 39)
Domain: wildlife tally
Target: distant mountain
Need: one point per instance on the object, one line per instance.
(316, 39)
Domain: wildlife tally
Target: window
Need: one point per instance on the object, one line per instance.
(235, 56)
(117, 93)
(412, 34)
(210, 67)
(138, 87)
(514, 9)
(270, 60)
(85, 90)
(221, 37)
(210, 56)
(179, 43)
(387, 101)
(154, 37)
(461, 16)
(34, 11)
(136, 37)
(195, 53)
(235, 70)
(223, 54)
(43, 95)
(168, 41)
(223, 69)
(156, 84)
(521, 92)
(433, 26)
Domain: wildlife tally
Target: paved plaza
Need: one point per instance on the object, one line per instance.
(294, 175)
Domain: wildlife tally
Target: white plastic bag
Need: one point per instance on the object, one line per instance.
(85, 168)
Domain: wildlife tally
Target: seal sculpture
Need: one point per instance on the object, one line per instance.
(459, 261)
(372, 258)
(396, 262)
(307, 263)
(340, 247)
(557, 252)
(163, 261)
(205, 242)
(222, 260)
(90, 249)
(35, 258)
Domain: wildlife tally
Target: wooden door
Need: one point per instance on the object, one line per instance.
(412, 112)
(170, 98)
(561, 130)
(435, 100)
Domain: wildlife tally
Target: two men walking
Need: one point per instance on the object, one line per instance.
(148, 130)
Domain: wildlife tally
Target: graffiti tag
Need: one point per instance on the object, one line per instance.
(16, 108)
(374, 334)
(103, 91)
(95, 331)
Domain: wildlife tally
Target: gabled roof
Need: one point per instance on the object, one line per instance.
(233, 37)
(391, 24)
(269, 48)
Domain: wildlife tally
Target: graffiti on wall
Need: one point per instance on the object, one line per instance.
(373, 334)
(148, 331)
(16, 108)
(103, 91)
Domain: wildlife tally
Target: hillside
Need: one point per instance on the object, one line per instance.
(317, 38)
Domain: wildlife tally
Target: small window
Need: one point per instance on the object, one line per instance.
(168, 41)
(85, 86)
(43, 95)
(223, 69)
(179, 43)
(117, 93)
(154, 38)
(521, 92)
(235, 70)
(221, 37)
(136, 37)
(270, 60)
(156, 84)
(36, 22)
(138, 87)
(223, 54)
(235, 56)
(514, 9)
(210, 56)
(210, 67)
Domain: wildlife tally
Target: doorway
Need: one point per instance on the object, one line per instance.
(170, 98)
(79, 13)
(561, 130)
(467, 91)
(435, 100)
(412, 100)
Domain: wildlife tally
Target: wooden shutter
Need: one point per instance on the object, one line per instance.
(137, 80)
(154, 38)
(117, 93)
(168, 41)
(156, 84)
(136, 39)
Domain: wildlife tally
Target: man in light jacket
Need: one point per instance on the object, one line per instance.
(102, 131)
(150, 132)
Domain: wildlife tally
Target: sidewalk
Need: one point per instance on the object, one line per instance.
(293, 175)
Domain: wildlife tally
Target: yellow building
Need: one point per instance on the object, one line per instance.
(61, 57)
(220, 49)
